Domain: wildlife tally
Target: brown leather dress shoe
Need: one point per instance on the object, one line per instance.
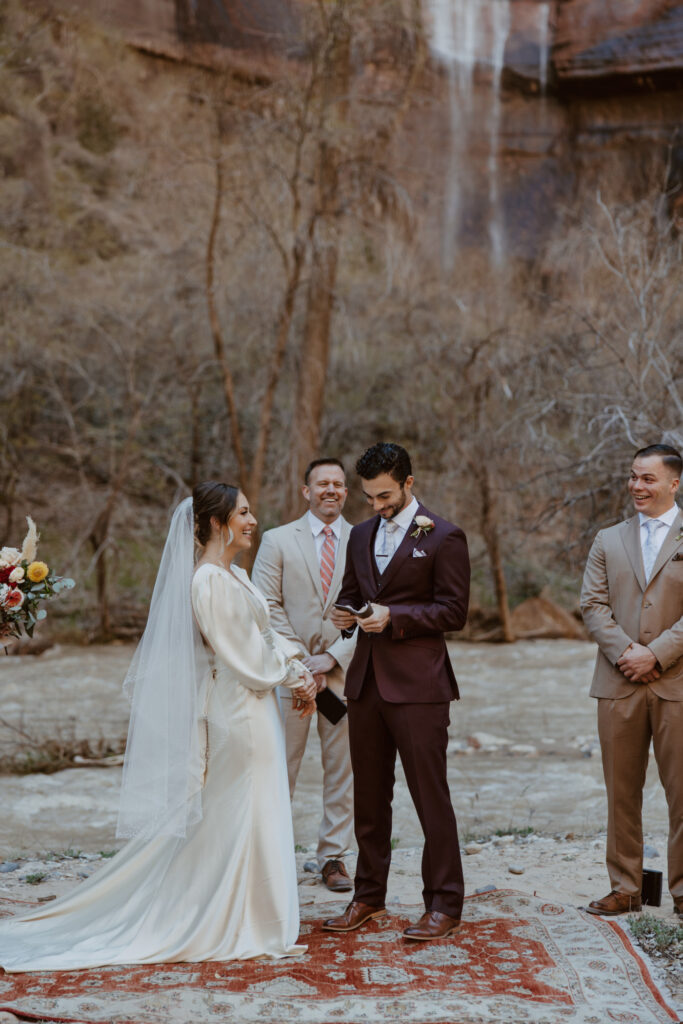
(335, 876)
(432, 925)
(615, 903)
(353, 917)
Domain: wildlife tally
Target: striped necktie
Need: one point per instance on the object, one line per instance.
(327, 560)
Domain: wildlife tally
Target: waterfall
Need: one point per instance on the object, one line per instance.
(464, 35)
(500, 29)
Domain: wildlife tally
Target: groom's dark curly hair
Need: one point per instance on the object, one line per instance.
(385, 457)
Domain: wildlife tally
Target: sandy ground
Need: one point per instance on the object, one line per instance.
(523, 757)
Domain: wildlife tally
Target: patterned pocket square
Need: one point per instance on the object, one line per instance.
(419, 554)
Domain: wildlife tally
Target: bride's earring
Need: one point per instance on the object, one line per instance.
(231, 536)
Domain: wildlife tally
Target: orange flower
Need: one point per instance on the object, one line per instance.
(37, 571)
(14, 599)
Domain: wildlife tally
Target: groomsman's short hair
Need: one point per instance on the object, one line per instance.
(322, 462)
(385, 457)
(669, 456)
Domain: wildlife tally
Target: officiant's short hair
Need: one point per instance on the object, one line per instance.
(322, 462)
(385, 457)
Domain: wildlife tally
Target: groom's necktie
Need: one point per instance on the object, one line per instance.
(327, 560)
(650, 550)
(385, 553)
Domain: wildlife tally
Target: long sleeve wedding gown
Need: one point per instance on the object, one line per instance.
(228, 890)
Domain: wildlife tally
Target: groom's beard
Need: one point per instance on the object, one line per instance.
(391, 511)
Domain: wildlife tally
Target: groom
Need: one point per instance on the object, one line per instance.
(414, 569)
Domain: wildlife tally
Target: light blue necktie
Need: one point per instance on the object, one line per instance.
(388, 544)
(649, 550)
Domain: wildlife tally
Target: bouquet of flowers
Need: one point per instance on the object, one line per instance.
(24, 583)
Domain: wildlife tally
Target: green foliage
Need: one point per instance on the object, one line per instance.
(35, 878)
(651, 931)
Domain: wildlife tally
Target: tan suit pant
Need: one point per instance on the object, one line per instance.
(335, 836)
(626, 727)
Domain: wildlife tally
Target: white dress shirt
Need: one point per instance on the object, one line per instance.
(403, 522)
(667, 518)
(317, 526)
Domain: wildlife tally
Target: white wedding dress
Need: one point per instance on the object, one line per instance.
(228, 889)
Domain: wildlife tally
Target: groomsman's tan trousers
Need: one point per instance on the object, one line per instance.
(626, 727)
(335, 837)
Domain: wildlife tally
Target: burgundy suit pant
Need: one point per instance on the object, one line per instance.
(378, 730)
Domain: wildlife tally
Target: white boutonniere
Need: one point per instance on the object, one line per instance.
(423, 526)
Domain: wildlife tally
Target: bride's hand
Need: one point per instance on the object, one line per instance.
(306, 708)
(307, 686)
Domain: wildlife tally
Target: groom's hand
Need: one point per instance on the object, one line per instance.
(378, 621)
(342, 619)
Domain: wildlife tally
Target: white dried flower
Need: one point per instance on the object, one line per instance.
(30, 545)
(17, 575)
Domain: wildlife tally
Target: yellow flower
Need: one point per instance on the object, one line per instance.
(37, 571)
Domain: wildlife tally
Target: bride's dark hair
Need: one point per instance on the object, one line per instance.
(212, 498)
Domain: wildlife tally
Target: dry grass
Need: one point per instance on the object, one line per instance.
(47, 755)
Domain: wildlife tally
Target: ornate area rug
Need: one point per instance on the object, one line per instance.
(516, 959)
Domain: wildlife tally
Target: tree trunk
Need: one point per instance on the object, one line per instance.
(312, 374)
(489, 527)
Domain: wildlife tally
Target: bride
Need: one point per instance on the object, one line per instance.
(209, 872)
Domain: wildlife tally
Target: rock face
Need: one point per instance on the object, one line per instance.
(583, 97)
(616, 38)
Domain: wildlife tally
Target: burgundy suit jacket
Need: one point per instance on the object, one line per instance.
(427, 596)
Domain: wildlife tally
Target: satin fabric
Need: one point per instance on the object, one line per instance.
(228, 890)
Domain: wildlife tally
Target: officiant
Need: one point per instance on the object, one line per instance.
(299, 569)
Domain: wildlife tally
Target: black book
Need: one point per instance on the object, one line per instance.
(330, 705)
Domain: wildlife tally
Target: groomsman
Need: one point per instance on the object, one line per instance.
(299, 569)
(632, 604)
(413, 568)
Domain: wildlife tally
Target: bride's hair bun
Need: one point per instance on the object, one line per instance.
(209, 499)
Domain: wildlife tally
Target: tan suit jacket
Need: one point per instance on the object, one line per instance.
(287, 572)
(618, 607)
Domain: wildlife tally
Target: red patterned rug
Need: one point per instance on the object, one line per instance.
(516, 959)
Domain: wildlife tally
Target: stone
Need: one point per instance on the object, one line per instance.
(485, 888)
(9, 865)
(312, 866)
(503, 840)
(650, 851)
(540, 618)
(472, 848)
(487, 741)
(524, 748)
(515, 869)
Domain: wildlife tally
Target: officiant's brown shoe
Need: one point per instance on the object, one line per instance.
(336, 877)
(432, 925)
(615, 903)
(353, 917)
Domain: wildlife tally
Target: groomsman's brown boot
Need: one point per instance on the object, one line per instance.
(335, 876)
(615, 903)
(353, 917)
